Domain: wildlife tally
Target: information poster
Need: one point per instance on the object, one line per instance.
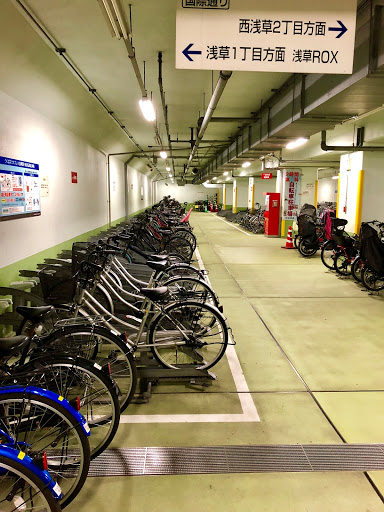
(291, 191)
(19, 189)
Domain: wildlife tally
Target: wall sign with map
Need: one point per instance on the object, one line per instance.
(19, 189)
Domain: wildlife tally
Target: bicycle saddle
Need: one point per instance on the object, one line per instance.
(9, 346)
(35, 314)
(155, 294)
(157, 265)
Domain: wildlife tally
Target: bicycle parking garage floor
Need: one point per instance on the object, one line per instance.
(307, 369)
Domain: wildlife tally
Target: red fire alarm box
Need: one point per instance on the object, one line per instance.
(272, 214)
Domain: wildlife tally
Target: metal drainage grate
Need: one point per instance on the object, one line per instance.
(238, 459)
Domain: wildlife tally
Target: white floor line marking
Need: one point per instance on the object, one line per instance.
(245, 397)
(230, 224)
(248, 407)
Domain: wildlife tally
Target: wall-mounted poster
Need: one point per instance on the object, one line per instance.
(291, 192)
(19, 189)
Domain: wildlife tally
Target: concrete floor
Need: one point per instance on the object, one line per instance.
(287, 313)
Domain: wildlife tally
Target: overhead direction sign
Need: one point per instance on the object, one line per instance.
(251, 35)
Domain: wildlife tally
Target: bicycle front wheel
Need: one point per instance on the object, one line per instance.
(188, 334)
(328, 254)
(342, 264)
(372, 280)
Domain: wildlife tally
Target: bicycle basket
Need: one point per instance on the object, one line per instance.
(58, 286)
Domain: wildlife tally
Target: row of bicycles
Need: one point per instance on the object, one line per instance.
(71, 370)
(253, 221)
(360, 256)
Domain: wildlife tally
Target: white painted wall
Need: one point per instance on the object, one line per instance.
(307, 185)
(327, 190)
(117, 188)
(262, 186)
(136, 184)
(373, 204)
(187, 193)
(71, 209)
(350, 165)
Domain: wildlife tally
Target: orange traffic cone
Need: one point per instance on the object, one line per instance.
(289, 242)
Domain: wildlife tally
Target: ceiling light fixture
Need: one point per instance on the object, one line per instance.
(147, 109)
(335, 177)
(168, 169)
(225, 173)
(214, 178)
(246, 164)
(163, 155)
(297, 143)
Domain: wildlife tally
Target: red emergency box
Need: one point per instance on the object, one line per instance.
(272, 214)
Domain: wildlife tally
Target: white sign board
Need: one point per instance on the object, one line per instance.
(273, 35)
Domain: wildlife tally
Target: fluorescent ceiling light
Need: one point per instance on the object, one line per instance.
(296, 143)
(214, 178)
(335, 177)
(225, 173)
(163, 155)
(147, 109)
(246, 164)
(168, 168)
(228, 179)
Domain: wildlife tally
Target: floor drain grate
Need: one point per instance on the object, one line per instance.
(238, 459)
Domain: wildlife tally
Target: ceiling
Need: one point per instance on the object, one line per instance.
(79, 26)
(92, 89)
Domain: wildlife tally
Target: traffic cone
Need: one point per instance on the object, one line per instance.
(289, 242)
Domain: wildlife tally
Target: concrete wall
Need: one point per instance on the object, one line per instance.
(373, 204)
(139, 191)
(327, 190)
(70, 209)
(187, 193)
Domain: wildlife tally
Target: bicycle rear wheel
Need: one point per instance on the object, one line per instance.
(87, 388)
(22, 490)
(100, 345)
(188, 334)
(343, 264)
(189, 288)
(181, 246)
(41, 426)
(356, 268)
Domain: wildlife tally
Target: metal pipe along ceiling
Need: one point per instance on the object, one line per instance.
(325, 147)
(220, 86)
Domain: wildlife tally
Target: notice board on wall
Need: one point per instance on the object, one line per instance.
(19, 189)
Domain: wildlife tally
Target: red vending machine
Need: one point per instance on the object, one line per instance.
(272, 214)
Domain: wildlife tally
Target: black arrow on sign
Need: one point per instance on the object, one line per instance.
(342, 29)
(187, 52)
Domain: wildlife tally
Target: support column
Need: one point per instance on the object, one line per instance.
(316, 192)
(224, 197)
(359, 201)
(234, 202)
(251, 194)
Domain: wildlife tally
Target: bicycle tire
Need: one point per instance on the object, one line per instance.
(342, 264)
(180, 270)
(34, 415)
(326, 257)
(100, 345)
(196, 321)
(18, 479)
(356, 268)
(305, 250)
(85, 380)
(190, 288)
(181, 246)
(372, 280)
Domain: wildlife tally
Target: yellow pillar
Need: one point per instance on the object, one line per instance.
(234, 203)
(251, 194)
(359, 201)
(282, 228)
(218, 196)
(316, 191)
(338, 196)
(224, 197)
